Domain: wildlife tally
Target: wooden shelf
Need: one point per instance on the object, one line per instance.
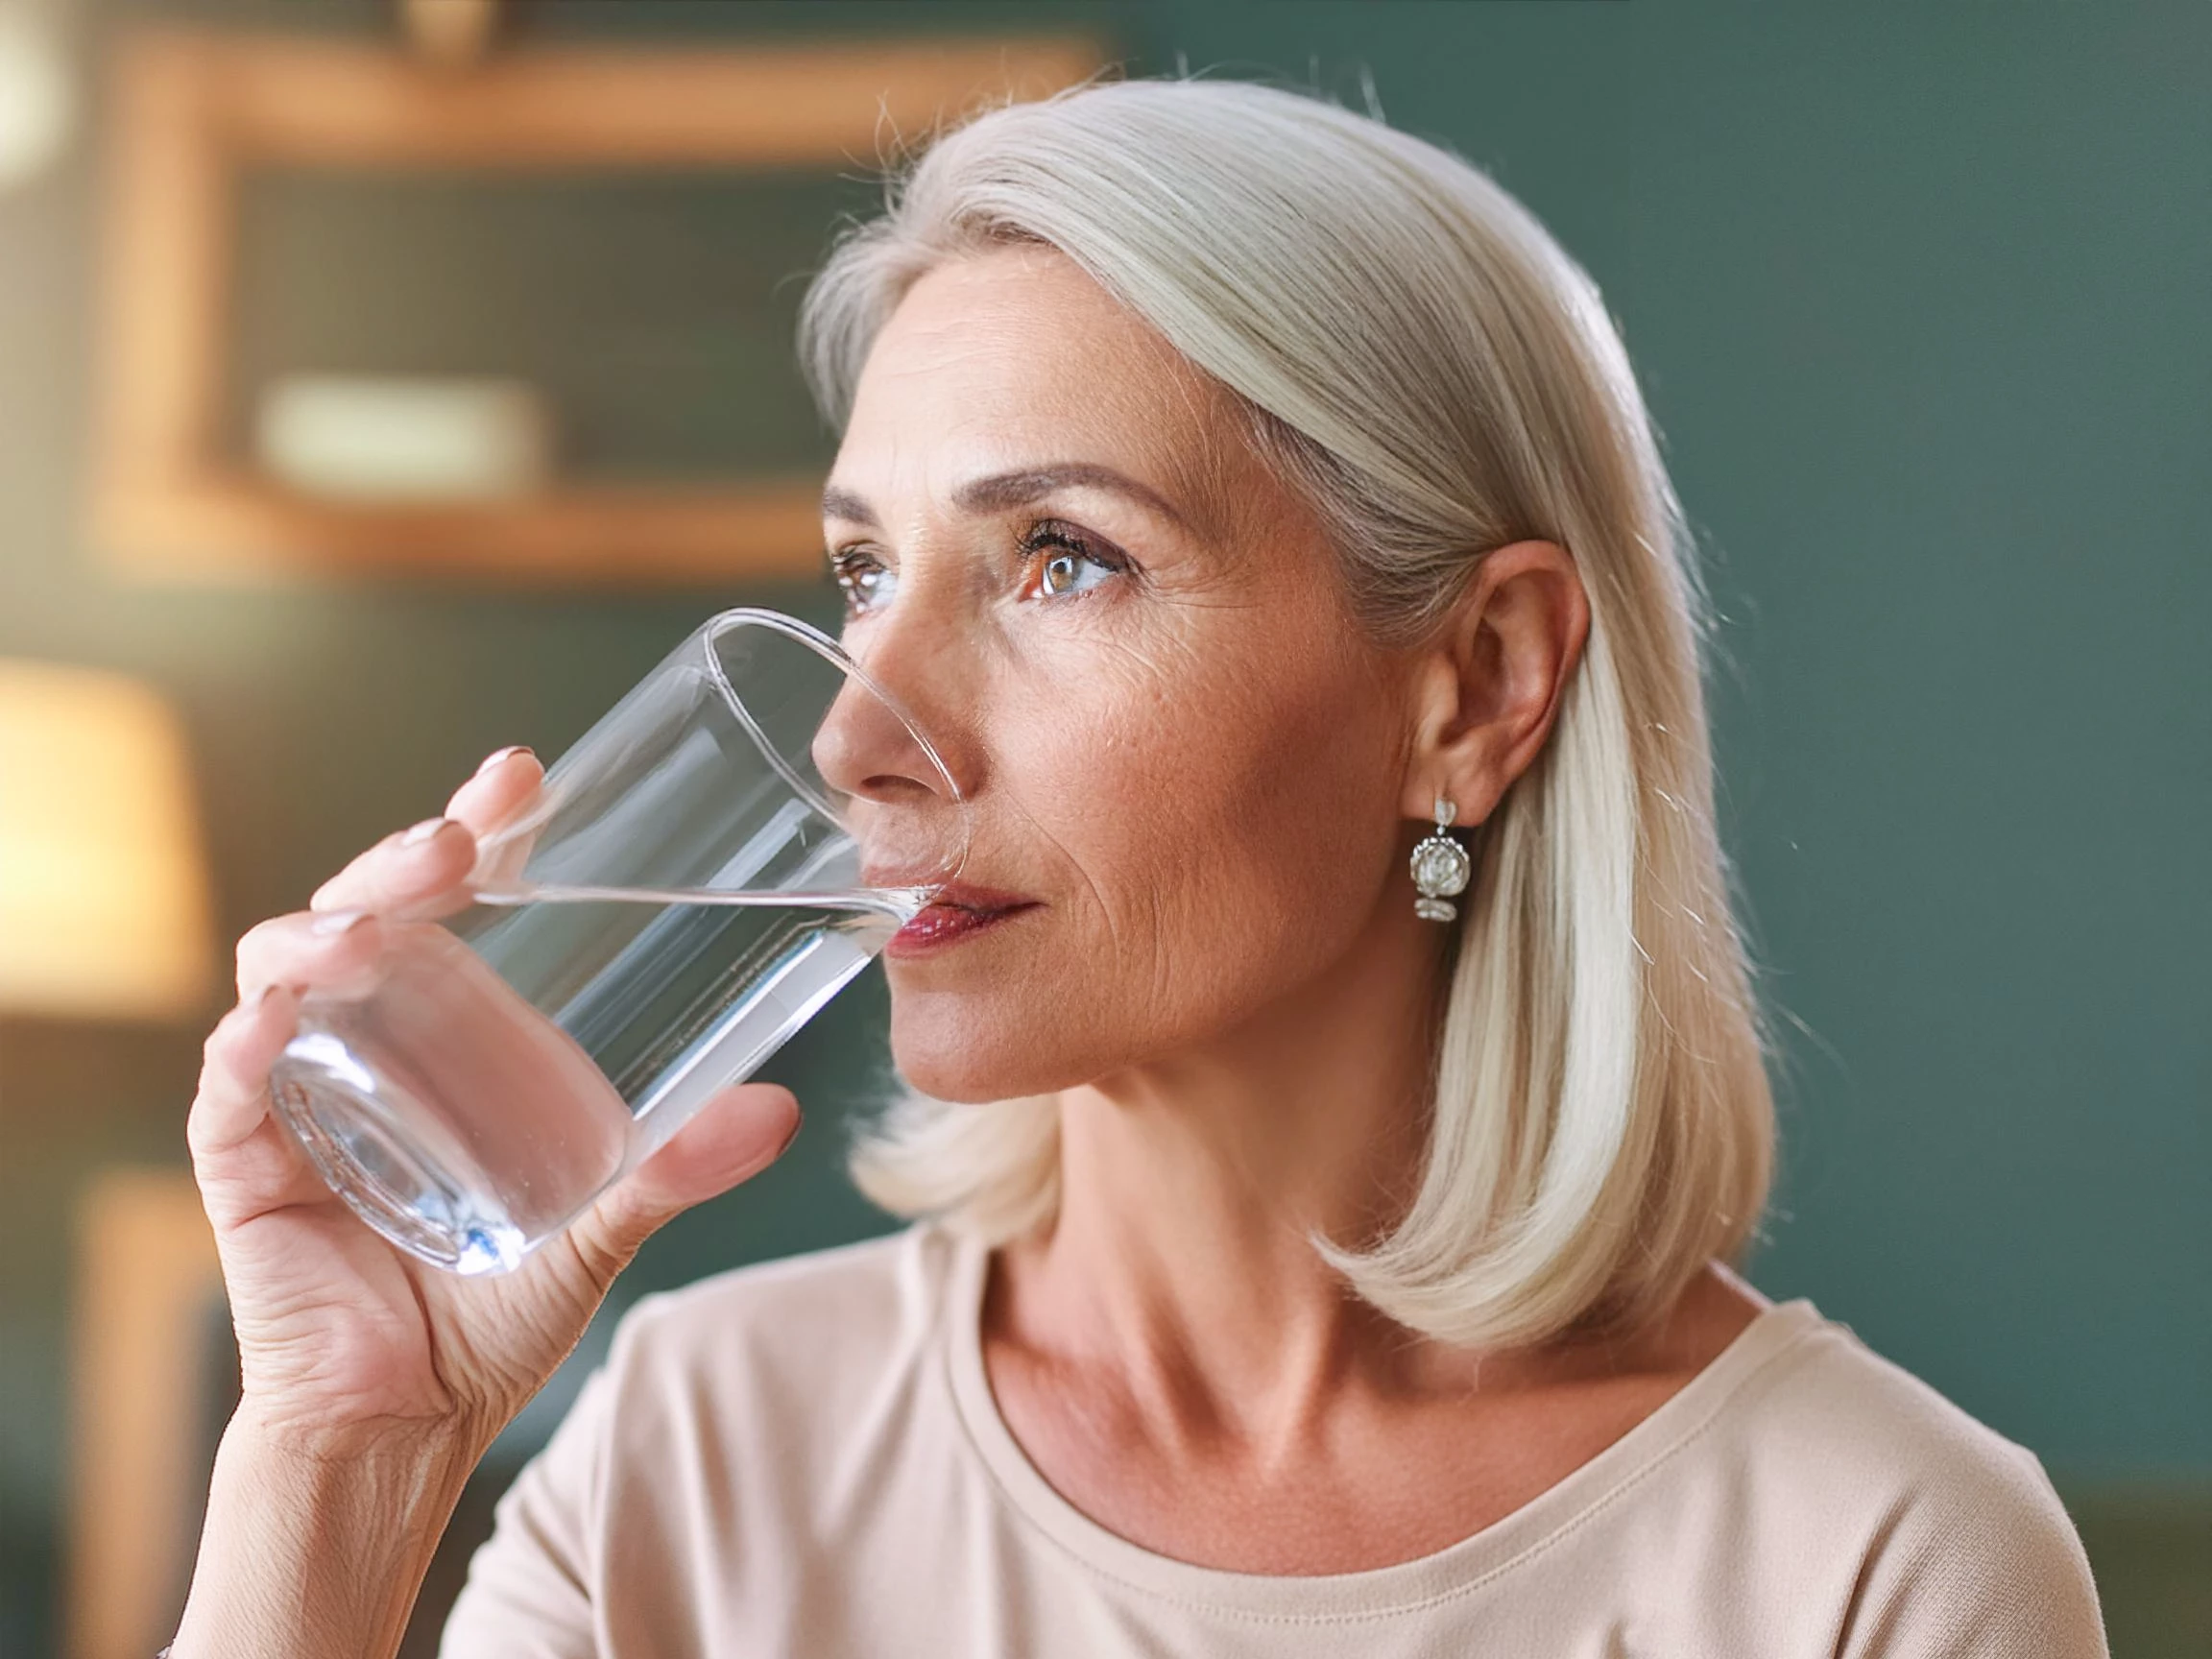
(191, 109)
(236, 527)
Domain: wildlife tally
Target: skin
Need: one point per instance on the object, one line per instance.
(370, 1385)
(1170, 737)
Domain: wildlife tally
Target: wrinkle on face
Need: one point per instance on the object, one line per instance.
(1194, 768)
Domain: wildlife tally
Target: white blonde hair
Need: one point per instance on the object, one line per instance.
(1415, 353)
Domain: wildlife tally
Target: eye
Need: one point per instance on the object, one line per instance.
(1068, 562)
(1072, 561)
(864, 582)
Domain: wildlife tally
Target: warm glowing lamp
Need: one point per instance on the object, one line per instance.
(103, 905)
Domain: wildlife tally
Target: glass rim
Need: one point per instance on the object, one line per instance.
(827, 646)
(824, 645)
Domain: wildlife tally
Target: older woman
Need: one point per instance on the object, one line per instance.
(1335, 1098)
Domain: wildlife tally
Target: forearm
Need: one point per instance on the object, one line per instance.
(316, 1554)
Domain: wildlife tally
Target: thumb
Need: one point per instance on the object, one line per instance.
(738, 1133)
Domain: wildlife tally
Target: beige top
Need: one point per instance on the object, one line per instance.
(804, 1459)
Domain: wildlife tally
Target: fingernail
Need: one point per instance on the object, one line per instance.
(338, 922)
(423, 831)
(492, 759)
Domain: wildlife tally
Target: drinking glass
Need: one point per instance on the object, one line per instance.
(682, 893)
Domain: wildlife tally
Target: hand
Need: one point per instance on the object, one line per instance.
(342, 1338)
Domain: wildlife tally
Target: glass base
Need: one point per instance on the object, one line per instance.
(357, 1139)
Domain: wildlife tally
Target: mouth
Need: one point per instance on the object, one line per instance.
(960, 910)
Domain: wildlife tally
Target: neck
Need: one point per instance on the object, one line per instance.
(1189, 1186)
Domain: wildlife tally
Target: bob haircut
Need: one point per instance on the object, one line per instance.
(1412, 351)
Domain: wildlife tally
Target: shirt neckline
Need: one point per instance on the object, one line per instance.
(1459, 1569)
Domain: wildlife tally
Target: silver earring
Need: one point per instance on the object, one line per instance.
(1440, 867)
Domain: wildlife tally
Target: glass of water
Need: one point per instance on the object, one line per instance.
(682, 893)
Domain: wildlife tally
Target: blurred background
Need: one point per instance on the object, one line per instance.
(1918, 296)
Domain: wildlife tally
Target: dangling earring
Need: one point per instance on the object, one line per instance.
(1440, 867)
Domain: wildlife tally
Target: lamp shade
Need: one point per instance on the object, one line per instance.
(103, 905)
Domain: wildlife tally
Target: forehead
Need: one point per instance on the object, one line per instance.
(1014, 357)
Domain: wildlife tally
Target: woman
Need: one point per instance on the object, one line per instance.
(1307, 1257)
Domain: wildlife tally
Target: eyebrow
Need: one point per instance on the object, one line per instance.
(1000, 490)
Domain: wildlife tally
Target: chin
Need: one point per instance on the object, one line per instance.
(976, 1061)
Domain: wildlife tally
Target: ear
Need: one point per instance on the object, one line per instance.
(1487, 686)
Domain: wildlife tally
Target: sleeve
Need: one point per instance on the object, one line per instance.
(1984, 1567)
(529, 1589)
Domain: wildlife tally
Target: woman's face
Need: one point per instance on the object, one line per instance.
(1128, 644)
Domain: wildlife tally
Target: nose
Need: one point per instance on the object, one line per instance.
(866, 749)
(906, 813)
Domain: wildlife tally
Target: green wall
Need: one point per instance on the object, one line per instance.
(1918, 296)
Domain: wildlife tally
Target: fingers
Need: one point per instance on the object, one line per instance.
(335, 951)
(410, 870)
(502, 786)
(246, 1162)
(502, 793)
(401, 871)
(735, 1136)
(233, 1095)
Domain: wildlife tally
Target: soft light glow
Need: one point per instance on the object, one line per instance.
(103, 907)
(37, 100)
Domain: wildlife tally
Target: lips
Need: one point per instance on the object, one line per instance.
(965, 895)
(960, 910)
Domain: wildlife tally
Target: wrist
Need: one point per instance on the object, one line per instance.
(317, 1541)
(266, 1437)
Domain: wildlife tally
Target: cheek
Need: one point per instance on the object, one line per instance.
(1301, 809)
(1209, 836)
(1209, 801)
